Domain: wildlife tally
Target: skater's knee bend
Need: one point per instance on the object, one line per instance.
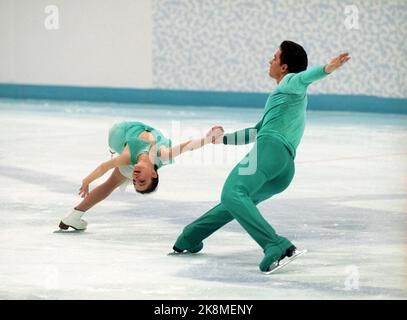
(233, 196)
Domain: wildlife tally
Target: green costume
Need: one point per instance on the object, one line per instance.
(127, 132)
(276, 138)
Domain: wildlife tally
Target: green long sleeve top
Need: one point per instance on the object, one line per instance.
(284, 112)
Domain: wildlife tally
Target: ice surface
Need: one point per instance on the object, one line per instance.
(346, 205)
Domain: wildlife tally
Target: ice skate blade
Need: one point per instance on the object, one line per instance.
(286, 261)
(68, 231)
(175, 253)
(184, 253)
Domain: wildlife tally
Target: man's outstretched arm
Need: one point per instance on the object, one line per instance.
(298, 83)
(337, 62)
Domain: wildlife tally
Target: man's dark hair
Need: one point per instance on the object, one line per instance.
(153, 184)
(294, 56)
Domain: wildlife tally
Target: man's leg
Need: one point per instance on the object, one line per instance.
(275, 186)
(269, 189)
(214, 219)
(239, 191)
(193, 234)
(262, 189)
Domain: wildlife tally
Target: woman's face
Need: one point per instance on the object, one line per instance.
(142, 176)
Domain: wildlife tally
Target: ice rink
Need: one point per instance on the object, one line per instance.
(346, 205)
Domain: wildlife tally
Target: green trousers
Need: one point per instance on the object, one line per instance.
(243, 190)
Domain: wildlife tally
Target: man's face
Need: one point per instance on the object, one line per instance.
(276, 69)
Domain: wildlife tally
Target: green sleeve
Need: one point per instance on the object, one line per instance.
(298, 82)
(243, 136)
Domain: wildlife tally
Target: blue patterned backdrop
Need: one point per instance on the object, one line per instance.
(226, 44)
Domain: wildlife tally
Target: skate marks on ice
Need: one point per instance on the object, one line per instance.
(337, 236)
(318, 276)
(322, 215)
(51, 182)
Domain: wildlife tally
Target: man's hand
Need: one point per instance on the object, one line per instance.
(337, 62)
(215, 134)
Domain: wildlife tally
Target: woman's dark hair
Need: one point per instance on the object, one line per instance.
(153, 184)
(294, 56)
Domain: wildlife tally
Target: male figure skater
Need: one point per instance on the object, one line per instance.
(276, 138)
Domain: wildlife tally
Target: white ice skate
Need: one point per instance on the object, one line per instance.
(73, 220)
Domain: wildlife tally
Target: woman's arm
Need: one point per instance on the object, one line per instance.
(123, 159)
(166, 154)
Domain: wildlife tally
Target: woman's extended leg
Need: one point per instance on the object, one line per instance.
(74, 218)
(102, 191)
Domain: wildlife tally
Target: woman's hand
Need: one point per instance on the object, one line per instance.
(337, 62)
(215, 134)
(84, 190)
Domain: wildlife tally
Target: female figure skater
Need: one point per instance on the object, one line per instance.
(142, 151)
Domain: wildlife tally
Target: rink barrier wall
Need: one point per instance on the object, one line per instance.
(329, 102)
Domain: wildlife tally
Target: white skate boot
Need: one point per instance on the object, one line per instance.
(73, 220)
